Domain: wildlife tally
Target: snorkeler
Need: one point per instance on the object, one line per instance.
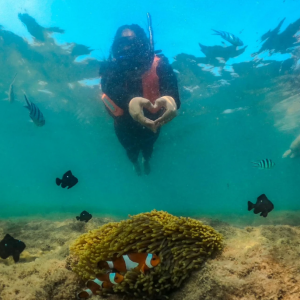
(294, 150)
(139, 91)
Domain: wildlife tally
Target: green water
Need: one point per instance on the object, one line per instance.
(201, 164)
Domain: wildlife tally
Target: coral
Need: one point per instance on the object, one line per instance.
(181, 243)
(258, 262)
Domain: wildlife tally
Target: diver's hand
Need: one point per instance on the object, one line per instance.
(136, 106)
(170, 110)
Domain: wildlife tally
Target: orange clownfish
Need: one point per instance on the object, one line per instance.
(105, 281)
(138, 261)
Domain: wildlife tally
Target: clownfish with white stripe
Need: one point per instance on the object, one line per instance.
(137, 261)
(105, 281)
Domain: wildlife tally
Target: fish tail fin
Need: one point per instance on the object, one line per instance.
(255, 164)
(77, 218)
(58, 181)
(216, 32)
(250, 205)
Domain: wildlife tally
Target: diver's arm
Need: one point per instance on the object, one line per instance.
(112, 86)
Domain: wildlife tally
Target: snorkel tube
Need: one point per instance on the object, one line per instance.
(151, 42)
(150, 33)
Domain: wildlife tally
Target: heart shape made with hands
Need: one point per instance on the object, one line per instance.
(137, 104)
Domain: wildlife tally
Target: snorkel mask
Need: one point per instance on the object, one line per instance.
(134, 52)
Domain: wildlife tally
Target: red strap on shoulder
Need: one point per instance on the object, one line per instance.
(151, 91)
(151, 83)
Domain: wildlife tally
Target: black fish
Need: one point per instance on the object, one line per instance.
(10, 246)
(84, 216)
(263, 205)
(68, 180)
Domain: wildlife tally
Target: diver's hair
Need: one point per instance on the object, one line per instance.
(139, 33)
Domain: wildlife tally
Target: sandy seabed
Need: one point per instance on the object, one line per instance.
(259, 262)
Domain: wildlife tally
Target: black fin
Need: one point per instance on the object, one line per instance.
(58, 181)
(77, 218)
(250, 205)
(63, 185)
(7, 237)
(16, 256)
(257, 210)
(262, 197)
(264, 214)
(69, 173)
(28, 104)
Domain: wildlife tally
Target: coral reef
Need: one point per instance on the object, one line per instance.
(181, 243)
(257, 262)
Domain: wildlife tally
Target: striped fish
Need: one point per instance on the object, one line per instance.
(35, 114)
(105, 281)
(137, 261)
(229, 37)
(264, 164)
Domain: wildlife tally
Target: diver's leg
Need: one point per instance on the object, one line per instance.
(129, 142)
(133, 155)
(147, 150)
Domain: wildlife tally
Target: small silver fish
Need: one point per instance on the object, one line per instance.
(264, 164)
(35, 114)
(229, 37)
(11, 94)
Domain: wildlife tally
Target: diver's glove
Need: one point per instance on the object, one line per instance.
(169, 104)
(137, 104)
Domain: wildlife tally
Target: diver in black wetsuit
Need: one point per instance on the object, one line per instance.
(134, 72)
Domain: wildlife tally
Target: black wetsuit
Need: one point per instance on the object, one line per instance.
(121, 89)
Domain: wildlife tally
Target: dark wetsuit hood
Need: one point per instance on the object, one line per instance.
(132, 53)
